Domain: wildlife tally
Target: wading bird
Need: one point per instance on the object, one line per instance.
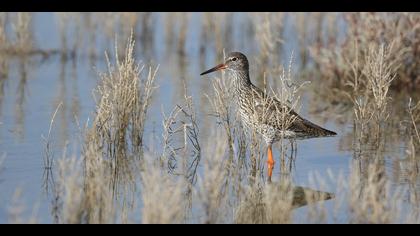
(262, 113)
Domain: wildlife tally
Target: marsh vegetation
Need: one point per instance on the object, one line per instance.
(105, 119)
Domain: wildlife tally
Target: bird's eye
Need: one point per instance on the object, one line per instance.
(234, 59)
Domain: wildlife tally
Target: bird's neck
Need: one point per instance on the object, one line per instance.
(241, 80)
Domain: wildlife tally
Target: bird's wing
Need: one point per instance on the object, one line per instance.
(270, 111)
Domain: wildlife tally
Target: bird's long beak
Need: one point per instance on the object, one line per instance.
(216, 68)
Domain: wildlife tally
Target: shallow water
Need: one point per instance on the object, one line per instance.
(36, 86)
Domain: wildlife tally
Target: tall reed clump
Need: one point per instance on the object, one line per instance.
(402, 30)
(89, 187)
(369, 187)
(370, 85)
(371, 198)
(124, 97)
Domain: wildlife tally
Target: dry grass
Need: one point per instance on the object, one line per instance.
(369, 91)
(371, 196)
(181, 145)
(96, 187)
(401, 30)
(124, 97)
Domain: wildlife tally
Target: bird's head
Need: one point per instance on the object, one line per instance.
(235, 61)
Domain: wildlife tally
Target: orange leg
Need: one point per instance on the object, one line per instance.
(270, 162)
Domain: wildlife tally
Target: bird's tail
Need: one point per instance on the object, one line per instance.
(317, 130)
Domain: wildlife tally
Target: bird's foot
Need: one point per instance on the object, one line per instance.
(270, 165)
